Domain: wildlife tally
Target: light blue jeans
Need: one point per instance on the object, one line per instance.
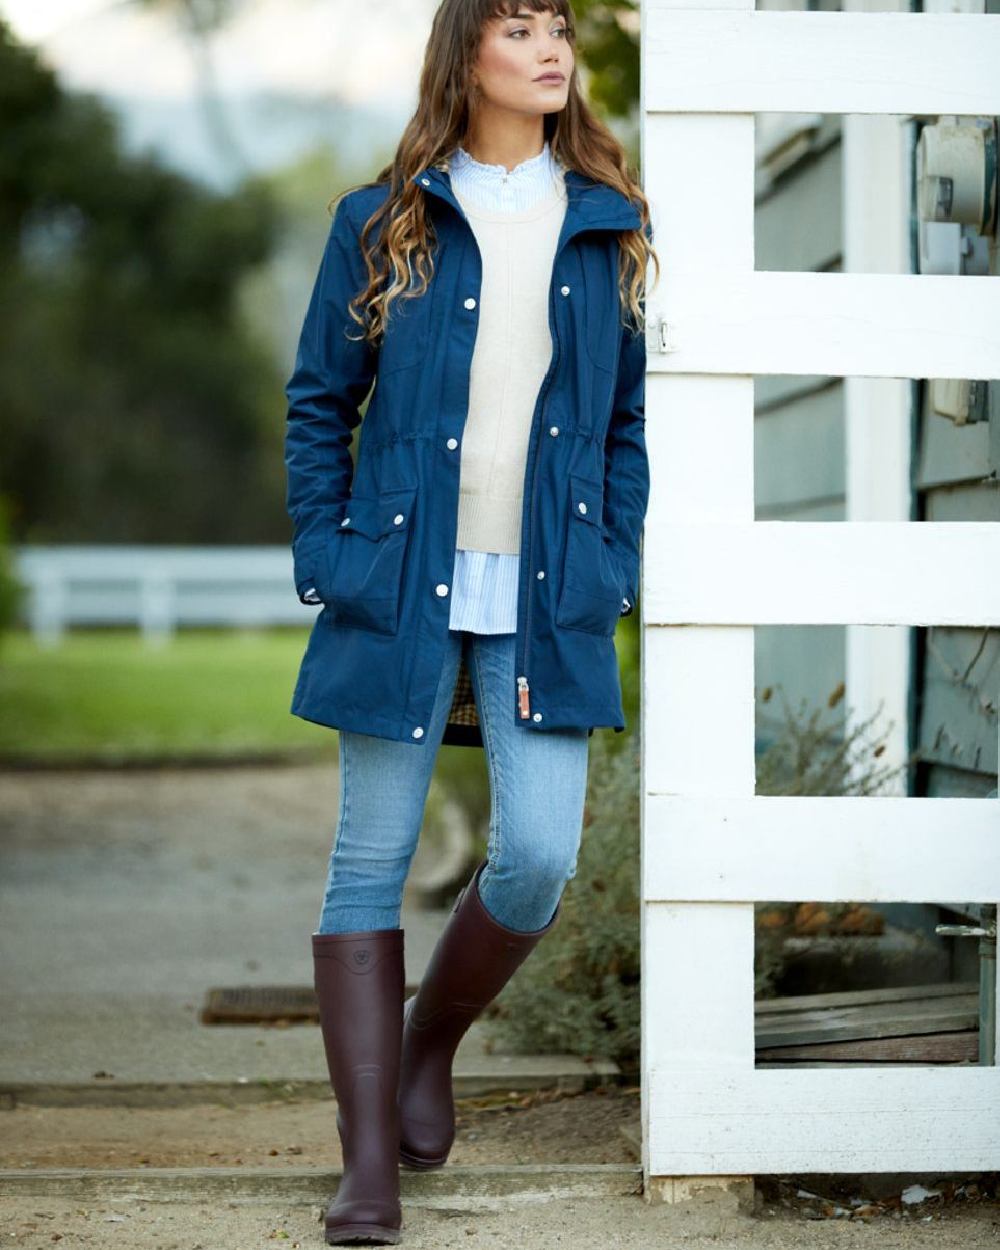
(538, 782)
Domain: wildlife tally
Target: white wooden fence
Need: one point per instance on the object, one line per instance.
(157, 588)
(710, 846)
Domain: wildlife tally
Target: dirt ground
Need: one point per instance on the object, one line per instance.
(539, 1128)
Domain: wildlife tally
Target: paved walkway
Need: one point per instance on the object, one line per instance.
(127, 895)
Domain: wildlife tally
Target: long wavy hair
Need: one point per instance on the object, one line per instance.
(397, 238)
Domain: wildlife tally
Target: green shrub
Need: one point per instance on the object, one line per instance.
(815, 751)
(579, 991)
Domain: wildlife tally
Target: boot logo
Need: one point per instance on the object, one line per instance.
(362, 957)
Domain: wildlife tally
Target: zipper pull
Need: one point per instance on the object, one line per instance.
(524, 706)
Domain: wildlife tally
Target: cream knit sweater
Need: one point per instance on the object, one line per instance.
(512, 352)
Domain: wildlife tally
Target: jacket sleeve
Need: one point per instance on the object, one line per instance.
(331, 377)
(626, 467)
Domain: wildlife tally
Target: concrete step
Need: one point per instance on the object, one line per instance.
(452, 1186)
(474, 1073)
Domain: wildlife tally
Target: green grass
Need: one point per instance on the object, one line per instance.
(105, 695)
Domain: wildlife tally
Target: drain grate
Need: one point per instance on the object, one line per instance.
(260, 1004)
(264, 1004)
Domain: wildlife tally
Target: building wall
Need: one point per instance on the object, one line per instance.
(799, 446)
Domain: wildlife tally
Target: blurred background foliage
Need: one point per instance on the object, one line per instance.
(135, 403)
(12, 591)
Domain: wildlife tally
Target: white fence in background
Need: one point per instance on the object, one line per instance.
(710, 845)
(157, 589)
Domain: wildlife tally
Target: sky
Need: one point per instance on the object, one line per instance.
(290, 74)
(363, 53)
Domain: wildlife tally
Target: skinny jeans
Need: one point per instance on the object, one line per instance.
(537, 779)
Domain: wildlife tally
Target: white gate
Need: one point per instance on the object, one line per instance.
(710, 847)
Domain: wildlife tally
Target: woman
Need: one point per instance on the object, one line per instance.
(473, 566)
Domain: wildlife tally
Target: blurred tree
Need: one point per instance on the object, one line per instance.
(608, 37)
(134, 403)
(12, 590)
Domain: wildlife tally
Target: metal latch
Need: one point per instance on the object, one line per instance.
(967, 930)
(660, 334)
(986, 931)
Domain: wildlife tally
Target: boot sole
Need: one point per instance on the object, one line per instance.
(421, 1164)
(362, 1232)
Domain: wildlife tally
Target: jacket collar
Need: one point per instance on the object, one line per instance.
(590, 204)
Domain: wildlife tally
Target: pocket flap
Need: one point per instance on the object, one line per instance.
(374, 516)
(586, 498)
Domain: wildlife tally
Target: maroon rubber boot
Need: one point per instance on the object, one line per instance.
(359, 979)
(473, 960)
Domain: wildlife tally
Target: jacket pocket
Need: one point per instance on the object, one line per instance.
(365, 559)
(590, 597)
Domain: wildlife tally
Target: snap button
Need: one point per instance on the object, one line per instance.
(564, 289)
(427, 183)
(398, 519)
(345, 520)
(470, 302)
(418, 732)
(537, 716)
(540, 574)
(582, 506)
(553, 430)
(441, 588)
(452, 443)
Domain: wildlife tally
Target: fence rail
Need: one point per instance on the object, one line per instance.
(156, 588)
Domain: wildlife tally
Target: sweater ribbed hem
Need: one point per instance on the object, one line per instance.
(489, 524)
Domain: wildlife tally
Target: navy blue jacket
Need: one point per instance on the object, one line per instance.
(377, 540)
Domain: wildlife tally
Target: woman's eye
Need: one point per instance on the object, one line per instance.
(559, 30)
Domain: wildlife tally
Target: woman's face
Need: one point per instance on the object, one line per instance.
(525, 62)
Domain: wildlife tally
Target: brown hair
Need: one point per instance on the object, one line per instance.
(577, 138)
